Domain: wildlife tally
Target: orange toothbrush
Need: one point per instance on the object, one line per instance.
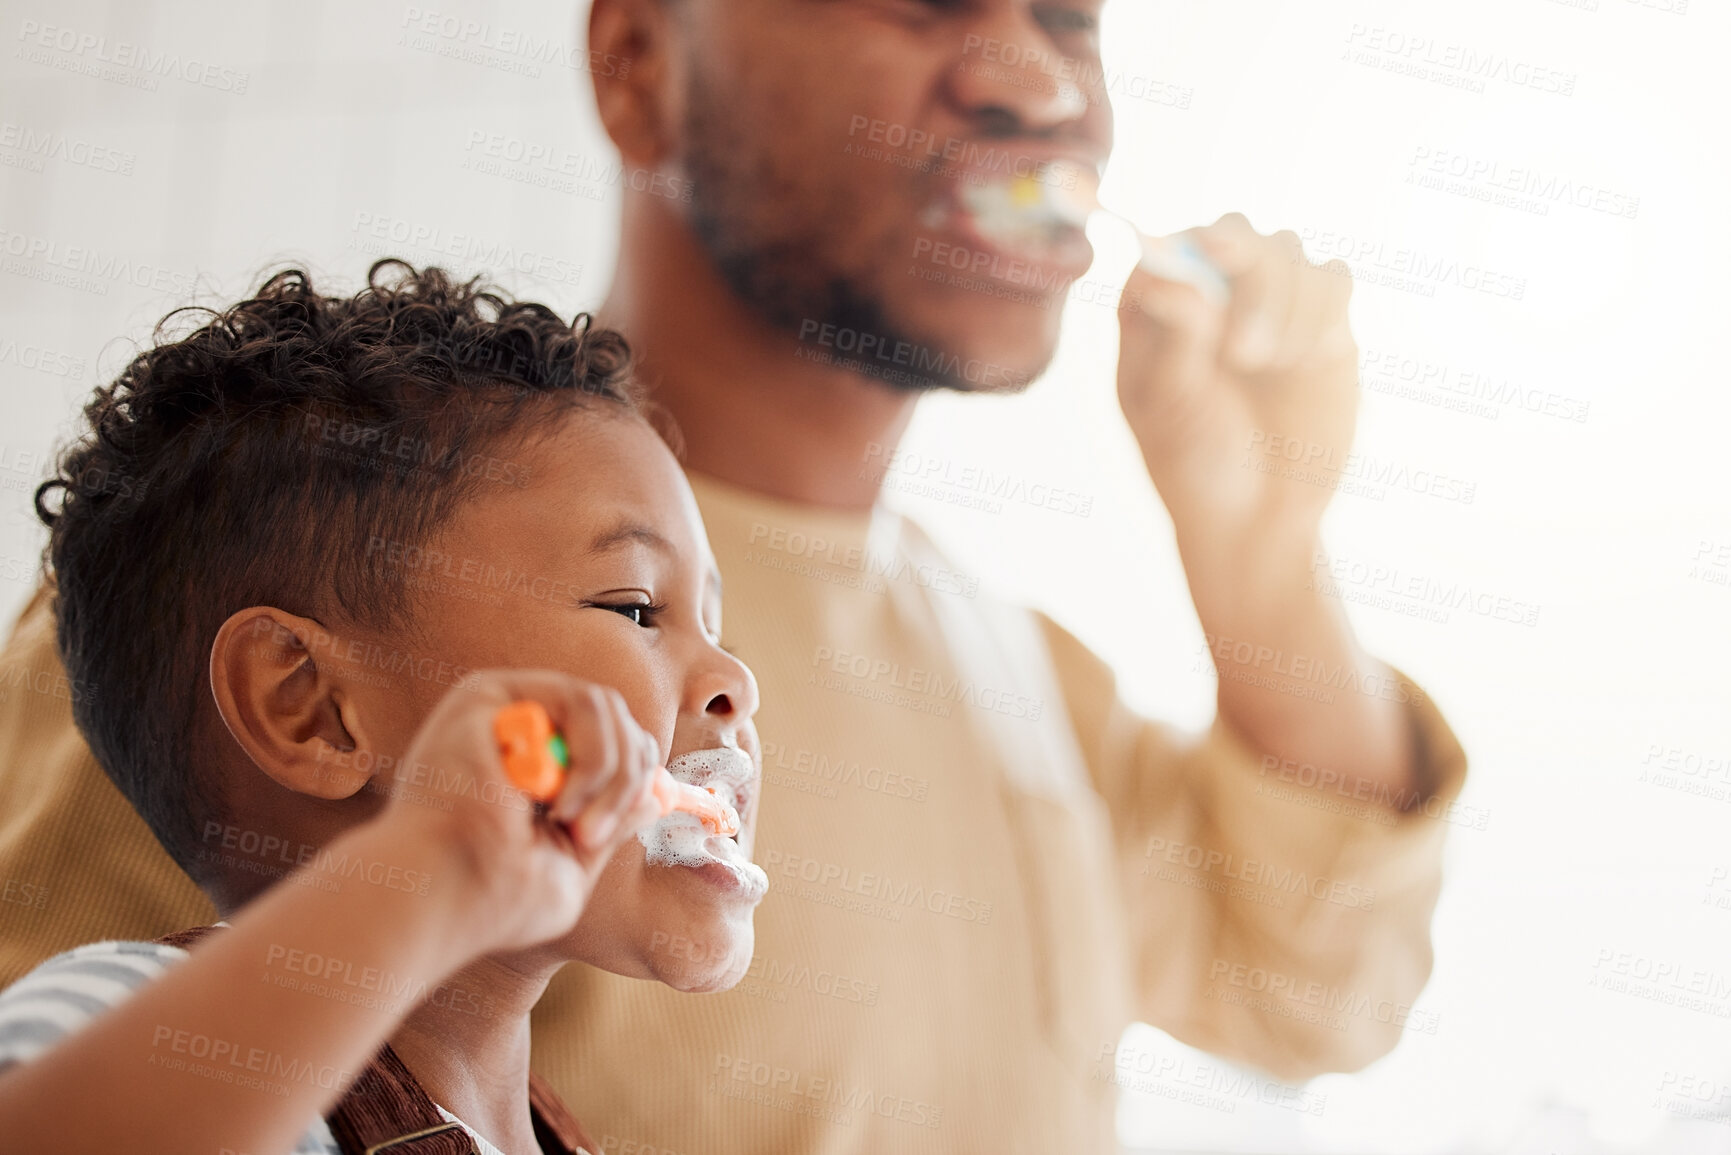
(535, 757)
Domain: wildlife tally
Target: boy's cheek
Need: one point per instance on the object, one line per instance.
(660, 919)
(623, 910)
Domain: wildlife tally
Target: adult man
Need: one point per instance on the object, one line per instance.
(982, 865)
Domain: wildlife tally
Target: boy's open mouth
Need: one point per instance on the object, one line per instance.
(727, 770)
(680, 840)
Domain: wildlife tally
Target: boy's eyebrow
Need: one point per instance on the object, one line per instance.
(626, 532)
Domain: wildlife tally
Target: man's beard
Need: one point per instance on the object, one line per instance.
(773, 261)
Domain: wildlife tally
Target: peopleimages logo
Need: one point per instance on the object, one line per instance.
(1263, 874)
(500, 46)
(1036, 68)
(895, 360)
(31, 895)
(924, 683)
(826, 983)
(378, 234)
(86, 269)
(800, 1088)
(1473, 391)
(1516, 186)
(1390, 587)
(1211, 1084)
(981, 161)
(1456, 65)
(1398, 267)
(228, 1061)
(134, 65)
(41, 359)
(553, 166)
(883, 888)
(35, 146)
(858, 560)
(1280, 991)
(1252, 658)
(394, 451)
(1300, 459)
(828, 770)
(927, 474)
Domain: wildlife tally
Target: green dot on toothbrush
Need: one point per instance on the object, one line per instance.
(560, 752)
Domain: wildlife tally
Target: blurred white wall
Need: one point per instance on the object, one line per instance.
(1549, 174)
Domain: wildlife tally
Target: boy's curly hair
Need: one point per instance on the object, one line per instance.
(251, 462)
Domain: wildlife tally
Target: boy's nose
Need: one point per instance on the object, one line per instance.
(727, 688)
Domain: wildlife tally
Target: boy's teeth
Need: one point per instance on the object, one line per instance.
(727, 770)
(727, 763)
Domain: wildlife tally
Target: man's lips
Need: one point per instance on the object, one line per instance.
(1003, 238)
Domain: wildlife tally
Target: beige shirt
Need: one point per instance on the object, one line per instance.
(982, 867)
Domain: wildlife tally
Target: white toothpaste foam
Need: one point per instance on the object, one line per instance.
(728, 764)
(680, 839)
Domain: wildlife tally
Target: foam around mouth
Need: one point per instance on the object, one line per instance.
(1032, 210)
(679, 839)
(726, 769)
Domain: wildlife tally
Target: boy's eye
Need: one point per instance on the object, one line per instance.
(640, 613)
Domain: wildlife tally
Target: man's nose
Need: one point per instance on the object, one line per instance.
(1013, 79)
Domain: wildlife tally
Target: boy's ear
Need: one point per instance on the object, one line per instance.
(289, 710)
(631, 57)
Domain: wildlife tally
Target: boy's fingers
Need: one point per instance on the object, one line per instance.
(610, 757)
(638, 805)
(641, 807)
(619, 794)
(646, 811)
(593, 745)
(459, 730)
(644, 801)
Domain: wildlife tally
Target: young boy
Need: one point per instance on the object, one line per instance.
(305, 555)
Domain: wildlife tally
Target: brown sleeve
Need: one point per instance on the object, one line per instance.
(77, 865)
(1277, 918)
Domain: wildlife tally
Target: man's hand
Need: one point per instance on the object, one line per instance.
(1218, 395)
(1244, 409)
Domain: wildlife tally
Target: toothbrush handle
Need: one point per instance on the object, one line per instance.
(532, 754)
(710, 808)
(535, 757)
(1178, 258)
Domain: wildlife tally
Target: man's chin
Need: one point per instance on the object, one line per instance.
(954, 346)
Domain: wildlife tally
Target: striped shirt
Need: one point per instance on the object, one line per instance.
(70, 990)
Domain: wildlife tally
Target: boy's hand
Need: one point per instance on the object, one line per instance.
(532, 871)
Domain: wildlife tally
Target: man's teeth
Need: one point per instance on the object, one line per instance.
(1028, 209)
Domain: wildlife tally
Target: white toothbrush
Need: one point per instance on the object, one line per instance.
(1062, 194)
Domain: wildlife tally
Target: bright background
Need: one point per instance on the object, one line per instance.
(1610, 525)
